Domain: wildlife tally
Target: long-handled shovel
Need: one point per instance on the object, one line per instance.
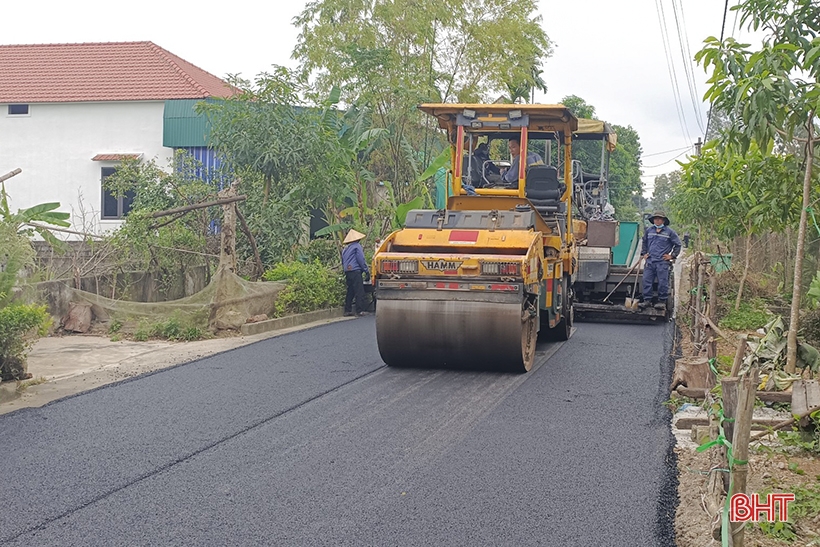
(632, 302)
(606, 298)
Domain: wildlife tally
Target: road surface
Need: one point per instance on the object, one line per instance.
(308, 439)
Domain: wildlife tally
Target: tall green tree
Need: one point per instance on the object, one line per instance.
(664, 188)
(267, 129)
(392, 56)
(733, 195)
(579, 107)
(772, 94)
(626, 188)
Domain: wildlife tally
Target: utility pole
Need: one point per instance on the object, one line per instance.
(698, 146)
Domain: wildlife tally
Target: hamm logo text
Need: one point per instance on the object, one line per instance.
(441, 265)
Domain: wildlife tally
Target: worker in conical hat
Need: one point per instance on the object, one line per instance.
(353, 236)
(354, 266)
(659, 247)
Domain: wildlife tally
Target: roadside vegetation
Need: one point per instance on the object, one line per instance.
(750, 198)
(20, 323)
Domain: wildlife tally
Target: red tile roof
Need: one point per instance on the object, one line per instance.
(115, 157)
(115, 71)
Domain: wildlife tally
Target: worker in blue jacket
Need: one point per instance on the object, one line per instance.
(660, 246)
(354, 266)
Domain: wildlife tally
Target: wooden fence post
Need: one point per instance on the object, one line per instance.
(693, 300)
(698, 321)
(711, 344)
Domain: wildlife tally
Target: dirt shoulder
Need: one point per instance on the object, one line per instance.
(67, 365)
(788, 463)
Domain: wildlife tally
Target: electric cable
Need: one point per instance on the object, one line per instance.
(667, 161)
(686, 57)
(666, 151)
(670, 66)
(722, 29)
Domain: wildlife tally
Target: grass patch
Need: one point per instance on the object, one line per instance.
(750, 316)
(25, 384)
(172, 329)
(806, 505)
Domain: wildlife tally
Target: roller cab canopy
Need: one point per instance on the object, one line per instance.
(485, 118)
(595, 130)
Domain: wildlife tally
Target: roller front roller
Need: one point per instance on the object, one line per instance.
(457, 334)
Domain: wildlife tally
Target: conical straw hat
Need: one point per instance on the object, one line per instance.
(352, 236)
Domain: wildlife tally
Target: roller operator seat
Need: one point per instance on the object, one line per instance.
(544, 190)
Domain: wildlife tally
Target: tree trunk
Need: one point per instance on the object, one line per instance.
(227, 254)
(745, 270)
(266, 189)
(260, 269)
(794, 316)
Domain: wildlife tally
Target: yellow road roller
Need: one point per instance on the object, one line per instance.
(472, 285)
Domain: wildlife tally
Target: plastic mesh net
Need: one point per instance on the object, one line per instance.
(225, 303)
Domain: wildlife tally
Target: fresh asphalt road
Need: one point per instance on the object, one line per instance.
(308, 439)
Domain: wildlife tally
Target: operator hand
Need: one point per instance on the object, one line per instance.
(646, 256)
(667, 256)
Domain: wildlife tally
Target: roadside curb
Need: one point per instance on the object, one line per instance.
(279, 323)
(8, 392)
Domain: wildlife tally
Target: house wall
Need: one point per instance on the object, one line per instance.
(54, 144)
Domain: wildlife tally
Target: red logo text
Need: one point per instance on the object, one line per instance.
(743, 507)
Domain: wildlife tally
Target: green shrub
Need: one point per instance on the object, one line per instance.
(750, 316)
(311, 286)
(143, 331)
(115, 326)
(17, 325)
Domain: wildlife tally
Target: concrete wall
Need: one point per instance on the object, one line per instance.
(54, 144)
(130, 286)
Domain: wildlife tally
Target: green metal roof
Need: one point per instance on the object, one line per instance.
(182, 127)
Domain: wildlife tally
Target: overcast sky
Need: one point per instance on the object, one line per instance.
(610, 53)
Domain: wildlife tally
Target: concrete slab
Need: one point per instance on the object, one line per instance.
(73, 364)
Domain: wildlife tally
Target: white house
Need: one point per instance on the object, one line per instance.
(69, 113)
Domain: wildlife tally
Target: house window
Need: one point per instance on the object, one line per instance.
(18, 110)
(112, 205)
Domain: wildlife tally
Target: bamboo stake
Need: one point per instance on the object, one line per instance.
(698, 309)
(711, 347)
(785, 423)
(693, 299)
(730, 392)
(7, 176)
(740, 445)
(739, 354)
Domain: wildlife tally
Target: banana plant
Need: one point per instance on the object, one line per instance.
(43, 213)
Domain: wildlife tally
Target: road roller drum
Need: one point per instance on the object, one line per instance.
(457, 333)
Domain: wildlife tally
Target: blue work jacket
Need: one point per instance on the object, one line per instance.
(353, 258)
(660, 242)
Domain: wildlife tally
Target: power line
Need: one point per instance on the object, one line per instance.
(722, 30)
(670, 65)
(686, 56)
(665, 152)
(667, 161)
